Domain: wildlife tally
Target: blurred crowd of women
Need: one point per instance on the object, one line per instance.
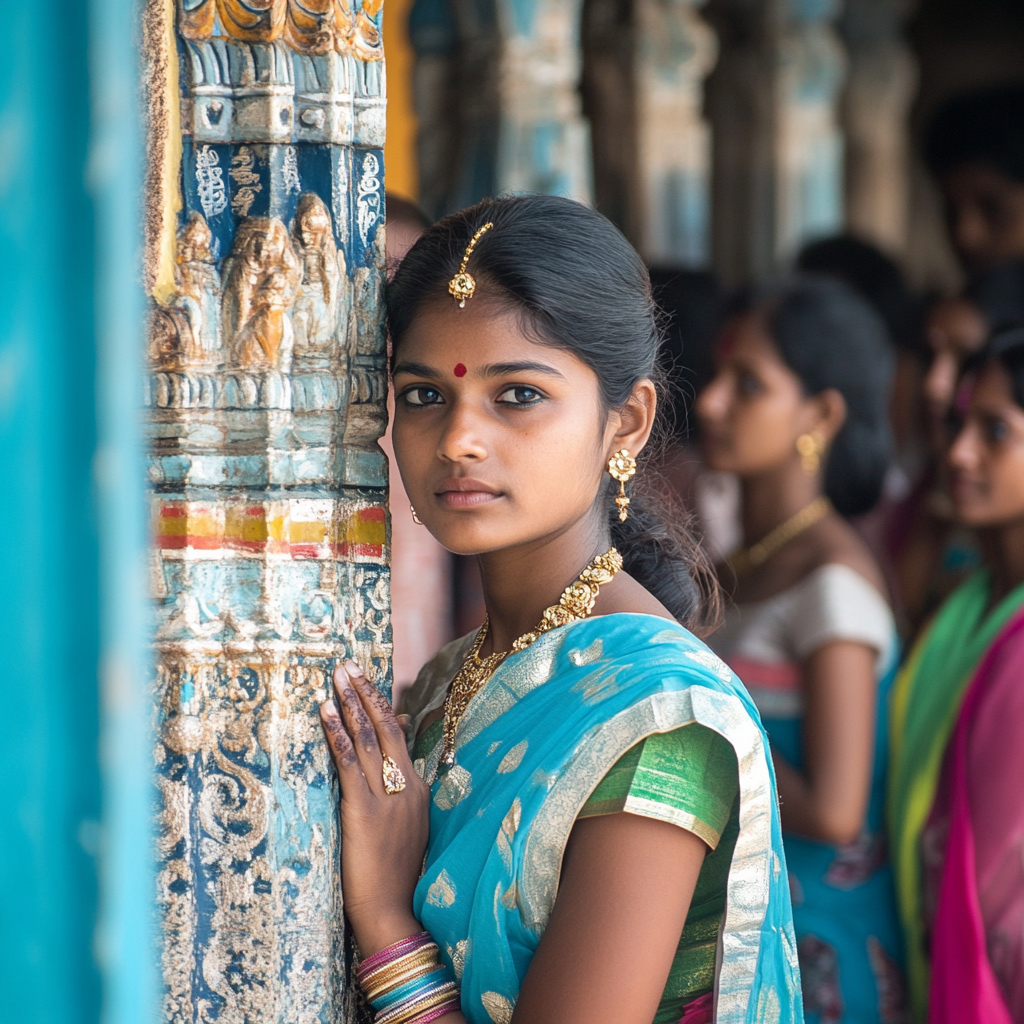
(853, 456)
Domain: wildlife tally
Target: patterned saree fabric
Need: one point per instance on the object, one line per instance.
(532, 748)
(926, 702)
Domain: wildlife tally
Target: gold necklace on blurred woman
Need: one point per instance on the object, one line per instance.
(576, 602)
(746, 559)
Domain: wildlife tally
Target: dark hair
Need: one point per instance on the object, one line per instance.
(580, 286)
(830, 337)
(986, 126)
(1006, 347)
(999, 295)
(879, 279)
(691, 305)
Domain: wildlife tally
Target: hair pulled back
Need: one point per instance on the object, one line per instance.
(831, 337)
(579, 286)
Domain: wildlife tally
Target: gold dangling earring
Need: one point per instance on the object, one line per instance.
(622, 467)
(811, 447)
(415, 518)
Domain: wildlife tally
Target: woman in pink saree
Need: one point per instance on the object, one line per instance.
(956, 804)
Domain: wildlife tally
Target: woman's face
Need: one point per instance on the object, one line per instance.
(754, 409)
(956, 329)
(985, 214)
(500, 440)
(986, 458)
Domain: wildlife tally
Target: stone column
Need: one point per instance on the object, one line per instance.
(543, 140)
(809, 142)
(741, 106)
(675, 49)
(265, 400)
(498, 100)
(778, 150)
(880, 87)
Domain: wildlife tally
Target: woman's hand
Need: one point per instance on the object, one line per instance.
(384, 835)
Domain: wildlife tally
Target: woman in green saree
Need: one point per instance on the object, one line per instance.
(585, 744)
(956, 814)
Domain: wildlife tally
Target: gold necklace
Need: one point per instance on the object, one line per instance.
(576, 602)
(745, 559)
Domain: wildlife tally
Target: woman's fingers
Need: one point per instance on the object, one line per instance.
(389, 730)
(350, 771)
(360, 728)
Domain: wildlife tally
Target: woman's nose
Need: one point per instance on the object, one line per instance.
(711, 401)
(463, 437)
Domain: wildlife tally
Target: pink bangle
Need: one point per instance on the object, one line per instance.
(452, 1006)
(393, 952)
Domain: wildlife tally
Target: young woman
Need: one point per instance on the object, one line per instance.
(956, 813)
(581, 741)
(798, 412)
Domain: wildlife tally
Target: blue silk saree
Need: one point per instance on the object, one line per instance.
(531, 748)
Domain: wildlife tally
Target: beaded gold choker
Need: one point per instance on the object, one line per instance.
(576, 602)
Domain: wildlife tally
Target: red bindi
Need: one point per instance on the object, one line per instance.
(460, 370)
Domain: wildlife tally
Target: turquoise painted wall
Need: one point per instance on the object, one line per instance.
(75, 800)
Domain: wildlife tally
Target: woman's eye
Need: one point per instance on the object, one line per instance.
(520, 395)
(422, 396)
(747, 385)
(997, 430)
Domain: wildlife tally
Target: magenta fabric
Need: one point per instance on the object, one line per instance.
(977, 942)
(699, 1011)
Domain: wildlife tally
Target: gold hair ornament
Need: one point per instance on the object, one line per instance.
(463, 284)
(622, 467)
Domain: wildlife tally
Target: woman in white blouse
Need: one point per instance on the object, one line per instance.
(798, 411)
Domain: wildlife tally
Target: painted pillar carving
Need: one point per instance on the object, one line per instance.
(265, 399)
(880, 88)
(675, 50)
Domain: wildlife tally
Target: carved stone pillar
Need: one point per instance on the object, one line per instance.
(543, 141)
(265, 400)
(675, 49)
(809, 142)
(880, 87)
(499, 86)
(741, 106)
(778, 148)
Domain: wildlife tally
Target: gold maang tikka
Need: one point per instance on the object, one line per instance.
(622, 467)
(463, 284)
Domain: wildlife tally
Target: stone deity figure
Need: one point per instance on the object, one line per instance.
(261, 247)
(199, 289)
(315, 314)
(266, 340)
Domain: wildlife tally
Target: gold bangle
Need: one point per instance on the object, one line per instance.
(403, 1014)
(423, 952)
(398, 980)
(383, 975)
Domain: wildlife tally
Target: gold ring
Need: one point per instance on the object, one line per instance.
(394, 780)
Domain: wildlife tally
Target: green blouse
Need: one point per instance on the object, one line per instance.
(688, 777)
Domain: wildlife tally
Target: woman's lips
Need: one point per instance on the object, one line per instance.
(465, 492)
